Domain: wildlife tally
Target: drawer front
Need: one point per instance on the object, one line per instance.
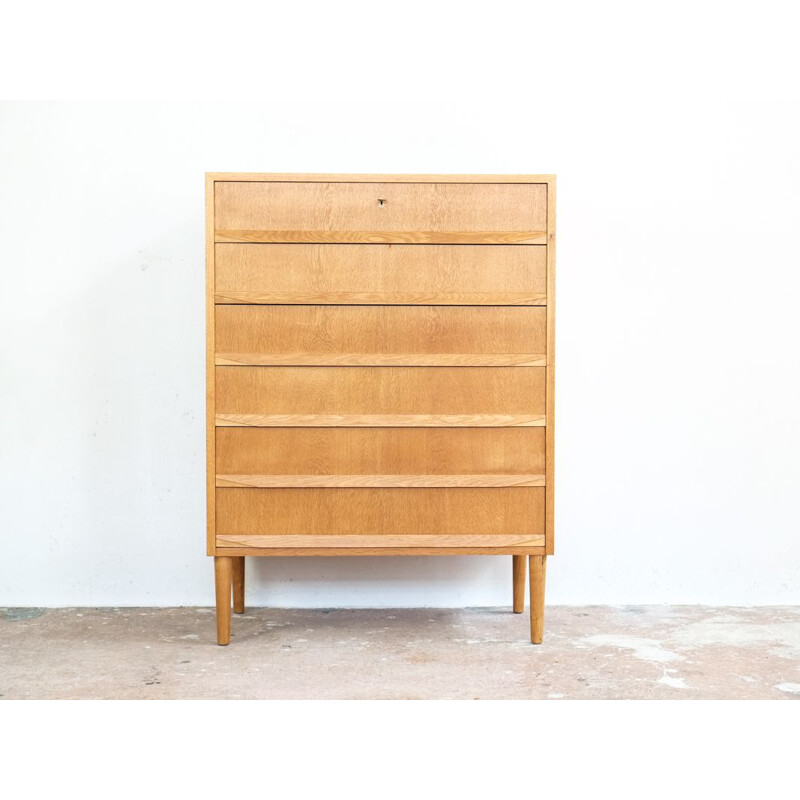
(390, 457)
(352, 211)
(380, 396)
(380, 335)
(380, 512)
(380, 274)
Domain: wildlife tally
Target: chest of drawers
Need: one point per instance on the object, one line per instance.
(380, 365)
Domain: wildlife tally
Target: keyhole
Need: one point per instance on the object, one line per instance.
(381, 201)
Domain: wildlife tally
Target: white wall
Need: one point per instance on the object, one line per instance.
(676, 147)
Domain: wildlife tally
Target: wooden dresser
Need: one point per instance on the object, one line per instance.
(380, 371)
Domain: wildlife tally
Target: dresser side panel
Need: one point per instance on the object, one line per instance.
(210, 376)
(550, 398)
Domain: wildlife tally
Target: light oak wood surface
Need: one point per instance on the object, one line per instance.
(354, 335)
(238, 584)
(383, 298)
(381, 359)
(380, 370)
(537, 568)
(416, 209)
(223, 572)
(359, 541)
(518, 568)
(355, 481)
(384, 390)
(380, 451)
(380, 274)
(385, 237)
(342, 512)
(321, 177)
(381, 420)
(310, 551)
(551, 363)
(210, 351)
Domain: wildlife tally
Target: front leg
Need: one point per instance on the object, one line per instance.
(537, 566)
(223, 568)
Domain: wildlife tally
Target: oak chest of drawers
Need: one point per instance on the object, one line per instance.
(380, 362)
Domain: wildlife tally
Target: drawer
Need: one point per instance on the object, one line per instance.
(380, 512)
(393, 457)
(380, 274)
(402, 212)
(381, 335)
(380, 396)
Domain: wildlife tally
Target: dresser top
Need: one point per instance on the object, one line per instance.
(313, 177)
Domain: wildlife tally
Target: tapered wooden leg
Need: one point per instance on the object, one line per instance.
(238, 584)
(518, 568)
(537, 566)
(223, 567)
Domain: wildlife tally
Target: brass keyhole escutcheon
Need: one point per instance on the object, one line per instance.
(381, 201)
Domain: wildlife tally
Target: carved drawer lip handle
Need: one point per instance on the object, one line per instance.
(385, 237)
(382, 359)
(380, 420)
(376, 481)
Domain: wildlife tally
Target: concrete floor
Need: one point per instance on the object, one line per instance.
(659, 652)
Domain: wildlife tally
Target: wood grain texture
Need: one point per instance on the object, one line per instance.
(518, 569)
(381, 335)
(381, 359)
(341, 512)
(366, 541)
(380, 420)
(497, 550)
(238, 584)
(379, 274)
(379, 391)
(386, 237)
(286, 481)
(210, 351)
(223, 568)
(384, 298)
(551, 364)
(316, 244)
(380, 451)
(361, 209)
(537, 569)
(322, 177)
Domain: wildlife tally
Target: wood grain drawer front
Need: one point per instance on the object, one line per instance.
(380, 512)
(380, 396)
(380, 274)
(388, 457)
(381, 335)
(375, 212)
